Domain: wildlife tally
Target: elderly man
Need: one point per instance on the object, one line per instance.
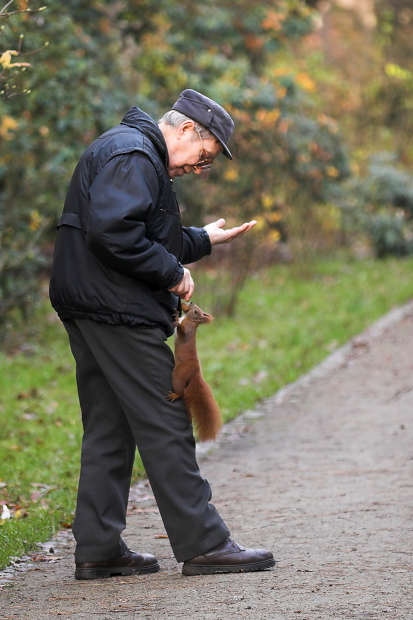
(116, 284)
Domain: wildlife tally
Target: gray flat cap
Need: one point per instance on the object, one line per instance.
(207, 113)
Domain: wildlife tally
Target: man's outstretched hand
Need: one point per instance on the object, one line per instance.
(217, 234)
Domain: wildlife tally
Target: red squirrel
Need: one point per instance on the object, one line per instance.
(187, 380)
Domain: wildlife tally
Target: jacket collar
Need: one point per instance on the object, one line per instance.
(140, 120)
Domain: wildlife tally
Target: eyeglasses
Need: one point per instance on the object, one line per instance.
(205, 162)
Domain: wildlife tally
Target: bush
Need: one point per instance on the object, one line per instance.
(381, 204)
(387, 235)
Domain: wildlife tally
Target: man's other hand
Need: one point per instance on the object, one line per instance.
(217, 234)
(185, 288)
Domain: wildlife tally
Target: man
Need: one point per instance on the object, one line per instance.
(116, 284)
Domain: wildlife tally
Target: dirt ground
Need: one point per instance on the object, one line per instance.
(321, 474)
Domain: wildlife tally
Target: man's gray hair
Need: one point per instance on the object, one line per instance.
(176, 119)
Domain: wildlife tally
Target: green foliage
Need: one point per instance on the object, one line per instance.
(387, 185)
(381, 202)
(387, 234)
(316, 155)
(20, 262)
(43, 133)
(229, 52)
(393, 95)
(219, 48)
(11, 65)
(281, 330)
(20, 225)
(360, 62)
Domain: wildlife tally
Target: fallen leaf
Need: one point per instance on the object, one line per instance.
(43, 489)
(41, 557)
(32, 393)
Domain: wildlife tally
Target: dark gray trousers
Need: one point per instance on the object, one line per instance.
(123, 375)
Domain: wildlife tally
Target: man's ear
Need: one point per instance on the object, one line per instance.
(184, 128)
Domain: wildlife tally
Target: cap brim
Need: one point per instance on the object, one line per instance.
(225, 149)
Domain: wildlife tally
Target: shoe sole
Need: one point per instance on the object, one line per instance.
(116, 571)
(192, 569)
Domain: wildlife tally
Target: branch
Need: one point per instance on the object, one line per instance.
(5, 7)
(39, 49)
(5, 14)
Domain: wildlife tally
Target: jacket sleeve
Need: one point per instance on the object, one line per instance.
(122, 197)
(196, 244)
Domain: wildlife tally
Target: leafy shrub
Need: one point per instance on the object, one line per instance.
(380, 204)
(386, 231)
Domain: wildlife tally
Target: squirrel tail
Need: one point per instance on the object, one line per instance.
(203, 410)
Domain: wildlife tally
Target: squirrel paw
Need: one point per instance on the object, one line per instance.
(172, 396)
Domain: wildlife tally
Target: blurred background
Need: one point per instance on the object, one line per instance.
(320, 91)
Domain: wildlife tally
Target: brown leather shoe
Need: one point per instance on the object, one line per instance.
(129, 563)
(228, 557)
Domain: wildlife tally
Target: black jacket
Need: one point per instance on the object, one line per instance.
(120, 243)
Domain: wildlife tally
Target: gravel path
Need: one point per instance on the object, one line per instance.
(321, 474)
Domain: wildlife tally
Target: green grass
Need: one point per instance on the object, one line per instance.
(284, 326)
